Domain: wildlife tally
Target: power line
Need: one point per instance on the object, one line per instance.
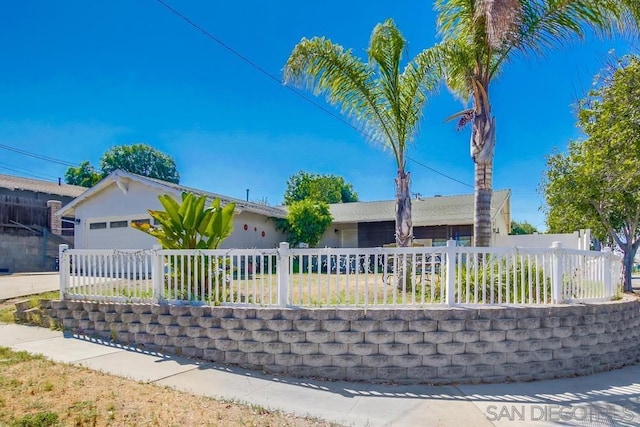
(289, 88)
(30, 174)
(36, 156)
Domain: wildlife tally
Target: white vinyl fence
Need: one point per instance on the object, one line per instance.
(364, 277)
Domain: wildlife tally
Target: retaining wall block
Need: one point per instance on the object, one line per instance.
(240, 334)
(225, 345)
(158, 309)
(203, 343)
(304, 348)
(438, 337)
(504, 324)
(349, 337)
(393, 349)
(288, 359)
(251, 346)
(422, 349)
(408, 337)
(332, 372)
(253, 324)
(316, 360)
(451, 325)
(333, 348)
(217, 333)
(269, 314)
(493, 359)
(173, 331)
(361, 373)
(129, 317)
(209, 322)
(306, 325)
(436, 360)
(324, 314)
(261, 359)
(320, 337)
(291, 336)
(391, 373)
(277, 347)
(346, 360)
(365, 325)
(452, 371)
(381, 314)
(264, 336)
(236, 357)
(335, 325)
(186, 321)
(363, 349)
(230, 323)
(148, 318)
(423, 325)
(378, 337)
(530, 345)
(279, 325)
(465, 359)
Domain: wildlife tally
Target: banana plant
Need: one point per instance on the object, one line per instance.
(189, 224)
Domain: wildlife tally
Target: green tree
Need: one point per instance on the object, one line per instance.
(385, 102)
(140, 159)
(322, 188)
(84, 175)
(522, 228)
(481, 37)
(306, 221)
(600, 173)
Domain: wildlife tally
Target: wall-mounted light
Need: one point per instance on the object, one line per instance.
(336, 230)
(77, 220)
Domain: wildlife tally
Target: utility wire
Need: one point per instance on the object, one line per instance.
(289, 88)
(3, 166)
(36, 156)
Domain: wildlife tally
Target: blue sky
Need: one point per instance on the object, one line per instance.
(79, 77)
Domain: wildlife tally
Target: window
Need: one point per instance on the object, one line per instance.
(141, 221)
(118, 224)
(97, 225)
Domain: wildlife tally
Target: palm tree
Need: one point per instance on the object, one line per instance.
(481, 36)
(385, 103)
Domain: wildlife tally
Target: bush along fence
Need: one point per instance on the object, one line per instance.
(330, 277)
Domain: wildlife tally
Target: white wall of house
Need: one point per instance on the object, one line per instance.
(102, 221)
(340, 236)
(576, 240)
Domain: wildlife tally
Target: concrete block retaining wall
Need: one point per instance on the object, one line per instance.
(435, 345)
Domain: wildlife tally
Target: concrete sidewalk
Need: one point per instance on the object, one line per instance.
(22, 284)
(606, 399)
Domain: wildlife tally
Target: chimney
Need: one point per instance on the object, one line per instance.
(55, 222)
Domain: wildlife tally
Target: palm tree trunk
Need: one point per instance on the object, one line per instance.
(482, 149)
(404, 226)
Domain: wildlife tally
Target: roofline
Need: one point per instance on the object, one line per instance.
(116, 175)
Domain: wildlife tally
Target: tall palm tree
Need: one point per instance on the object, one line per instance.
(481, 36)
(384, 102)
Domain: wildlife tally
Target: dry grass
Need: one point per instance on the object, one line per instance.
(37, 392)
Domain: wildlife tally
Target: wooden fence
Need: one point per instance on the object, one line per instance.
(22, 210)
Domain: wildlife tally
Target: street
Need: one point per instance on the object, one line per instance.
(18, 285)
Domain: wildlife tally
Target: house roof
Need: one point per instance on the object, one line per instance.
(16, 183)
(119, 176)
(440, 210)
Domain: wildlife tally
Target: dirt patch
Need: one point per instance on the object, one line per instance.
(33, 389)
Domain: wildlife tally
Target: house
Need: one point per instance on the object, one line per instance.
(30, 227)
(104, 213)
(435, 220)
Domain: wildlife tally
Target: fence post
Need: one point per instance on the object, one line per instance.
(63, 270)
(608, 280)
(556, 272)
(450, 268)
(157, 273)
(283, 261)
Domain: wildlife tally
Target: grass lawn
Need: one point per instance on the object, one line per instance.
(37, 392)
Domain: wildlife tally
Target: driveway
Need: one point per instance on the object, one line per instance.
(19, 285)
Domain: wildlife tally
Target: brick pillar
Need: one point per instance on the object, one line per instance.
(55, 222)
